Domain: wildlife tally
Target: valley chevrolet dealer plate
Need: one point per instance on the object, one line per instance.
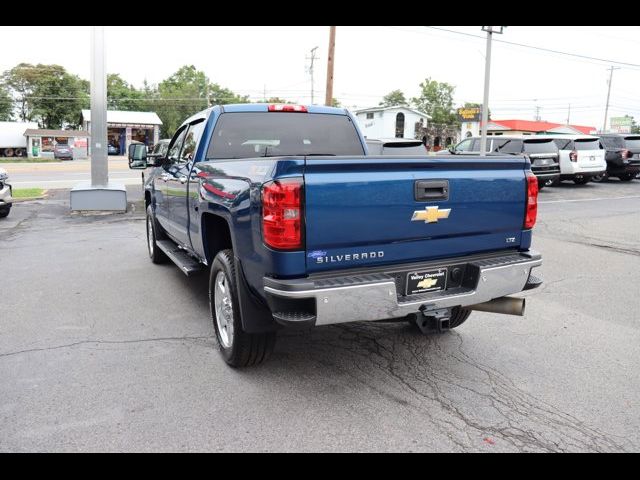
(426, 281)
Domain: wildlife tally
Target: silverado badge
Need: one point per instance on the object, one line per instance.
(427, 283)
(430, 214)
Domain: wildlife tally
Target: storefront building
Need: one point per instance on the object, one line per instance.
(41, 142)
(125, 127)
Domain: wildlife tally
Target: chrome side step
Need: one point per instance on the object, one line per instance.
(187, 264)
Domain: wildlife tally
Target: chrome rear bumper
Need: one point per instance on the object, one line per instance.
(368, 297)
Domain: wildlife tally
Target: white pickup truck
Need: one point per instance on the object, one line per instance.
(581, 157)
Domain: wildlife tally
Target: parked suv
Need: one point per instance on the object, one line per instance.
(542, 152)
(581, 157)
(5, 194)
(622, 153)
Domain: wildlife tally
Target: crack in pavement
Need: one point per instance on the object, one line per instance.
(464, 399)
(84, 342)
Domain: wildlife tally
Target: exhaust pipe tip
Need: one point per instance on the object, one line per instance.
(503, 305)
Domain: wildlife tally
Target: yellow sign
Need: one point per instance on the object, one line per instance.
(430, 214)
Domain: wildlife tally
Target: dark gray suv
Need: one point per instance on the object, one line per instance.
(542, 152)
(622, 156)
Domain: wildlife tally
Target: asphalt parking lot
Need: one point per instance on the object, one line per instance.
(102, 350)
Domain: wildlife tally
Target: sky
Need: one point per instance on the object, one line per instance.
(369, 62)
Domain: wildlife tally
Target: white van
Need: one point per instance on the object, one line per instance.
(581, 157)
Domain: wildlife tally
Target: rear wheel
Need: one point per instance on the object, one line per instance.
(581, 180)
(238, 348)
(626, 177)
(4, 211)
(600, 178)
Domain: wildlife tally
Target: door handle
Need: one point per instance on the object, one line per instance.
(429, 190)
(183, 179)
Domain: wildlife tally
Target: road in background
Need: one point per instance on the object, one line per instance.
(102, 350)
(66, 174)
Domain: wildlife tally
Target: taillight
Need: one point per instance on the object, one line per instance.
(573, 156)
(282, 221)
(626, 154)
(287, 108)
(531, 211)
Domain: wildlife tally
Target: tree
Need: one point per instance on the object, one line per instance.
(436, 100)
(393, 99)
(6, 104)
(121, 95)
(275, 100)
(20, 81)
(58, 98)
(336, 103)
(47, 94)
(186, 92)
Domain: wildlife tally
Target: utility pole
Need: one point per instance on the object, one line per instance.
(328, 99)
(606, 109)
(208, 97)
(312, 58)
(537, 117)
(568, 114)
(485, 103)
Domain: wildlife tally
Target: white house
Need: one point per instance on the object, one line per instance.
(389, 122)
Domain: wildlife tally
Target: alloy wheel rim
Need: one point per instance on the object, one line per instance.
(224, 309)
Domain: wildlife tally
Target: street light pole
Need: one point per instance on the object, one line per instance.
(98, 193)
(606, 109)
(485, 103)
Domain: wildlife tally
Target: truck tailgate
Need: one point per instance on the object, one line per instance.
(359, 211)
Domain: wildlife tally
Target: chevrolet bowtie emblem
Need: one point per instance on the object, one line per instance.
(430, 214)
(427, 283)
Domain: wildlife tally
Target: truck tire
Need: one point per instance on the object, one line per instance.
(8, 152)
(237, 347)
(4, 211)
(581, 180)
(626, 177)
(154, 233)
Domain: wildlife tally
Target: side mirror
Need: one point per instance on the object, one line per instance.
(137, 156)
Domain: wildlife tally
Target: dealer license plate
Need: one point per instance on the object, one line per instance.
(426, 281)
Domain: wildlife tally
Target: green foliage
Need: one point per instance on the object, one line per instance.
(6, 104)
(436, 99)
(275, 100)
(393, 99)
(47, 94)
(121, 95)
(185, 93)
(335, 103)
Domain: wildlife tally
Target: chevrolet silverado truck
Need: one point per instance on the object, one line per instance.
(298, 226)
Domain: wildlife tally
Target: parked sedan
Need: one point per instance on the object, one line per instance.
(62, 151)
(112, 150)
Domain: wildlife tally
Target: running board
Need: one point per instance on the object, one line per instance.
(187, 264)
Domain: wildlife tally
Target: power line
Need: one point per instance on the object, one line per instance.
(548, 50)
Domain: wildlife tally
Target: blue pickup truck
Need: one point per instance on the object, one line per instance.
(298, 226)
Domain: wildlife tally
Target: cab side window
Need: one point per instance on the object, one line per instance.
(191, 141)
(176, 146)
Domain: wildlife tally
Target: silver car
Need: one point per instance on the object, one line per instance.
(5, 194)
